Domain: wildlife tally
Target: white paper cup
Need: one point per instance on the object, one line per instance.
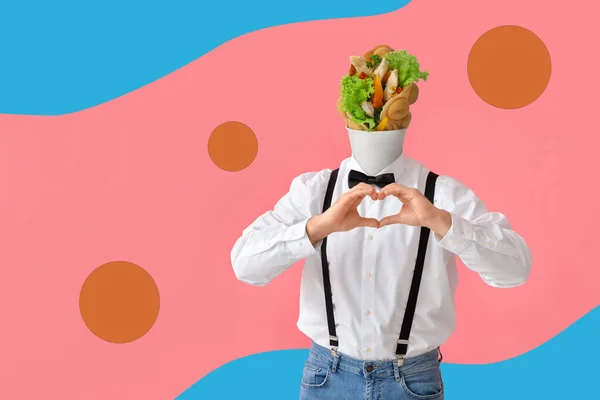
(371, 148)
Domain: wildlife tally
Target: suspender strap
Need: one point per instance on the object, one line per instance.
(409, 313)
(333, 340)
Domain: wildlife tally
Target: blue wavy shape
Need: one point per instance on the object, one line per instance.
(565, 367)
(62, 56)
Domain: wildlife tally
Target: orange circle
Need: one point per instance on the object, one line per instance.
(509, 67)
(232, 146)
(119, 302)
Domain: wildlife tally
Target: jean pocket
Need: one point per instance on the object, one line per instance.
(424, 385)
(314, 375)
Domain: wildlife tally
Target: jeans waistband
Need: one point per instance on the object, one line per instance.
(376, 368)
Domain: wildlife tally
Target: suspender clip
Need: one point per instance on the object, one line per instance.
(333, 342)
(400, 360)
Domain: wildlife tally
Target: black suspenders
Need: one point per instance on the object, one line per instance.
(333, 340)
(409, 313)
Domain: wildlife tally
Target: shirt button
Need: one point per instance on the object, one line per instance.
(368, 275)
(367, 350)
(489, 243)
(457, 241)
(368, 313)
(370, 237)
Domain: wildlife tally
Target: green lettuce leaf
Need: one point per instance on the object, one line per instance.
(354, 92)
(407, 66)
(375, 61)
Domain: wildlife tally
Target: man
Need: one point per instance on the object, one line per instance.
(364, 230)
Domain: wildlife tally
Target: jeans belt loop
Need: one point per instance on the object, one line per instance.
(396, 372)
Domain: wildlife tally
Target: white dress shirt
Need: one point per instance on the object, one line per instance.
(371, 269)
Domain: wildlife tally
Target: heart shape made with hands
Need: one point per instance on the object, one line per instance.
(414, 206)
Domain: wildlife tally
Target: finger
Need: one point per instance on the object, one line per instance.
(397, 190)
(360, 192)
(361, 186)
(369, 190)
(393, 219)
(365, 188)
(354, 197)
(368, 222)
(373, 193)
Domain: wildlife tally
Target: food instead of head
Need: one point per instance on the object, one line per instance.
(379, 88)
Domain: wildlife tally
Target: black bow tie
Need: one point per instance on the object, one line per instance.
(355, 177)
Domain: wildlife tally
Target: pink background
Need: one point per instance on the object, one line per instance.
(132, 180)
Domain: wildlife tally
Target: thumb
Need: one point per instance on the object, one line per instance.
(368, 222)
(394, 219)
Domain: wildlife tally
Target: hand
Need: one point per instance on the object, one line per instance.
(416, 210)
(343, 214)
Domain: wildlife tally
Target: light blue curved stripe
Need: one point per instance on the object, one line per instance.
(61, 56)
(565, 367)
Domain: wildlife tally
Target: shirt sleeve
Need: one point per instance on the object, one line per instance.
(277, 239)
(484, 241)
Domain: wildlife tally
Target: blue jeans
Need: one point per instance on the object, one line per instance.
(347, 378)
